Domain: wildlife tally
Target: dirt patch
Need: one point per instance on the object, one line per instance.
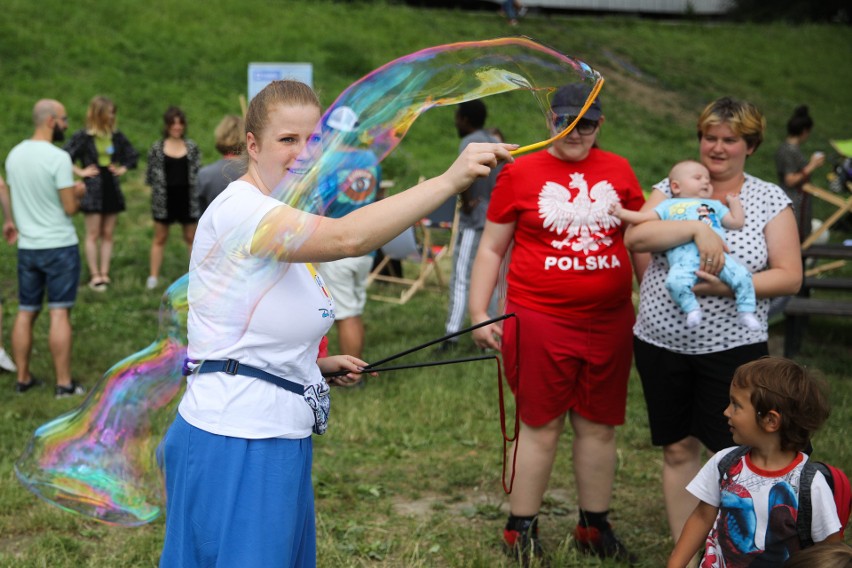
(473, 503)
(643, 91)
(14, 546)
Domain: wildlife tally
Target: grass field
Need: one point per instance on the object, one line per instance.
(409, 473)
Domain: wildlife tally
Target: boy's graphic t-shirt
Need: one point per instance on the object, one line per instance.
(756, 524)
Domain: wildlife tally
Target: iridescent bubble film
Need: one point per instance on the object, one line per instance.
(100, 459)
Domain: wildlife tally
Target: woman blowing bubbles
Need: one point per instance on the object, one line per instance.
(238, 455)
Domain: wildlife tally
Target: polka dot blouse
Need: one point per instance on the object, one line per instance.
(660, 321)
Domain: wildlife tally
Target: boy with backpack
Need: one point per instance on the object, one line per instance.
(750, 496)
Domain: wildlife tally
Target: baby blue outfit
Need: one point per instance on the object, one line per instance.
(684, 259)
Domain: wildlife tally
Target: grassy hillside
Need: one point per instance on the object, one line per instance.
(409, 473)
(148, 55)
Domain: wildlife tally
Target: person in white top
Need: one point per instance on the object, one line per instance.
(237, 459)
(748, 507)
(686, 371)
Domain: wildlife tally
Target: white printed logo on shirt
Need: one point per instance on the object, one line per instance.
(585, 220)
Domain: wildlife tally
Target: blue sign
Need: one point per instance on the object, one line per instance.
(261, 74)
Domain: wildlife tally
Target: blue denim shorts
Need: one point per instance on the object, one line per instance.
(56, 271)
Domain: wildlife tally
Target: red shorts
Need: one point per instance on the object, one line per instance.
(581, 365)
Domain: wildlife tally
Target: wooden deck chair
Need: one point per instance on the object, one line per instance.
(420, 249)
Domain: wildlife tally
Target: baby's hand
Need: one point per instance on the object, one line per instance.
(615, 209)
(732, 197)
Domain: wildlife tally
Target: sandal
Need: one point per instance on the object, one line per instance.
(97, 284)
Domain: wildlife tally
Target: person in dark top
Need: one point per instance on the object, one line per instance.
(101, 155)
(173, 164)
(794, 169)
(214, 178)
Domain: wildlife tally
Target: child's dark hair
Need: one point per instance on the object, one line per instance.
(784, 386)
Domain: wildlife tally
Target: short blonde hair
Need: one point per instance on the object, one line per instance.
(230, 134)
(744, 118)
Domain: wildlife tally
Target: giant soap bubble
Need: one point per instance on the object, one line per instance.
(100, 459)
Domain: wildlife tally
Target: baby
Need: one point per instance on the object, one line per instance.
(690, 185)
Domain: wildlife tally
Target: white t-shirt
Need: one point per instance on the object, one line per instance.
(756, 506)
(661, 322)
(261, 312)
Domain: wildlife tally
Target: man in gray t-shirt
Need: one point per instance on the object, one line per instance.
(470, 124)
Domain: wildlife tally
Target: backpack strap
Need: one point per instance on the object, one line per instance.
(805, 514)
(726, 463)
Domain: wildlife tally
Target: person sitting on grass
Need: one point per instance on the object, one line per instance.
(690, 184)
(747, 515)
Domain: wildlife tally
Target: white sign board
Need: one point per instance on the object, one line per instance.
(261, 74)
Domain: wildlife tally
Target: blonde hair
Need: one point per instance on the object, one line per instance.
(286, 92)
(744, 118)
(100, 116)
(230, 134)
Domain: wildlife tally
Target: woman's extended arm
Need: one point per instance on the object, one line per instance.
(495, 240)
(368, 228)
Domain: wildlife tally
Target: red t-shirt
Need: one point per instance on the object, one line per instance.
(569, 257)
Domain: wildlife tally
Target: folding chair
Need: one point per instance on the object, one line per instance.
(417, 246)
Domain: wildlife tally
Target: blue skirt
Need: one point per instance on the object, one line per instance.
(237, 502)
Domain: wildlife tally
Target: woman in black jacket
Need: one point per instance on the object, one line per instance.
(101, 155)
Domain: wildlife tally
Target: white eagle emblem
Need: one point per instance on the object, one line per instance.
(584, 219)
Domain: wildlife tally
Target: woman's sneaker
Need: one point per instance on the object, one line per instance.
(602, 543)
(24, 387)
(522, 544)
(72, 390)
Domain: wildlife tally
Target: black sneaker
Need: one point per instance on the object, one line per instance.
(602, 543)
(73, 390)
(523, 545)
(21, 388)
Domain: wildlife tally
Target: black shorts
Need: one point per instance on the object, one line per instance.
(182, 219)
(686, 395)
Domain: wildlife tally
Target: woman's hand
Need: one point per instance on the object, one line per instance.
(89, 171)
(709, 284)
(488, 337)
(337, 363)
(117, 169)
(711, 249)
(476, 160)
(817, 160)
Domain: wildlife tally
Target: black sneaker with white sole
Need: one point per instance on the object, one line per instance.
(72, 390)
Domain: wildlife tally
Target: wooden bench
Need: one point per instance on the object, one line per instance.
(801, 307)
(831, 250)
